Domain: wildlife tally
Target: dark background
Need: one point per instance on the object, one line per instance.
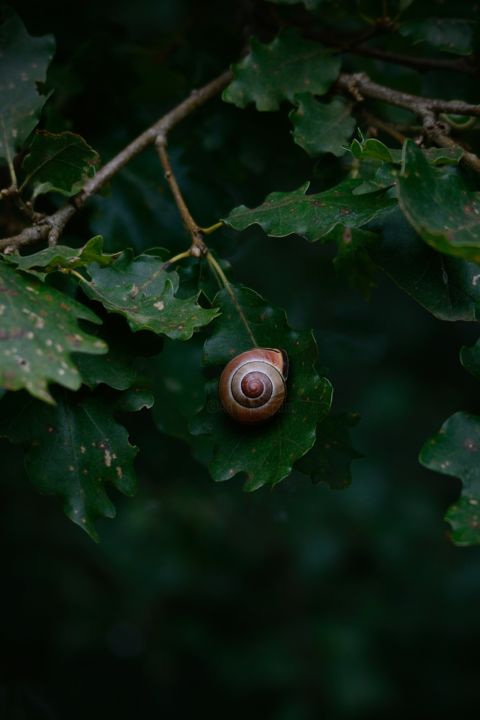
(292, 604)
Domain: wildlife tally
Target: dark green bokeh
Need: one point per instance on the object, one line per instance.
(293, 604)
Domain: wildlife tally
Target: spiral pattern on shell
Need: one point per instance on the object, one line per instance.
(253, 385)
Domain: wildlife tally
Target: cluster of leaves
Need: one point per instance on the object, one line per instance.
(111, 328)
(413, 212)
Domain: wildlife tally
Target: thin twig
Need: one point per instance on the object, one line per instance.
(51, 227)
(198, 247)
(181, 256)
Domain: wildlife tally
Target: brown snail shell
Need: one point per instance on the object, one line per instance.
(252, 385)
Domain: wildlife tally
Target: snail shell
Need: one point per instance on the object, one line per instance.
(252, 386)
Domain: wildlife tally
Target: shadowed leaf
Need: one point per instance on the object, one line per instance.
(38, 332)
(455, 450)
(312, 216)
(58, 163)
(24, 63)
(278, 71)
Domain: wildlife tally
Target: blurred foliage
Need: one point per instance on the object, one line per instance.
(289, 605)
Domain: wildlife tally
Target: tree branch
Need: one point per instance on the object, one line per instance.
(435, 131)
(360, 86)
(51, 227)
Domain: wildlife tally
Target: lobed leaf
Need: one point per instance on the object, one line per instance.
(312, 216)
(454, 450)
(376, 151)
(39, 329)
(57, 163)
(448, 287)
(62, 256)
(143, 292)
(24, 63)
(264, 453)
(278, 71)
(73, 449)
(439, 206)
(322, 127)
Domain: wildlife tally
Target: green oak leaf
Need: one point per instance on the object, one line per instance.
(57, 257)
(454, 450)
(451, 35)
(371, 149)
(72, 450)
(24, 63)
(312, 216)
(143, 291)
(322, 127)
(278, 71)
(264, 453)
(380, 164)
(446, 286)
(38, 331)
(439, 206)
(57, 162)
(330, 459)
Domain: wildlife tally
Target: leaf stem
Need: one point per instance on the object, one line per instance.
(176, 258)
(212, 228)
(79, 276)
(215, 265)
